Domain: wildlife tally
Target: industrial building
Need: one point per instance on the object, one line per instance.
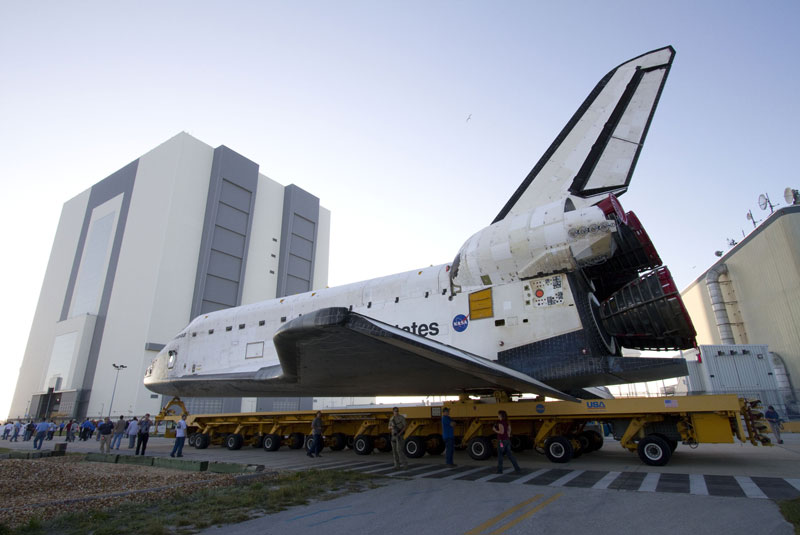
(751, 297)
(182, 230)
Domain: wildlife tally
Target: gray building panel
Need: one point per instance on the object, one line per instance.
(120, 182)
(298, 241)
(226, 231)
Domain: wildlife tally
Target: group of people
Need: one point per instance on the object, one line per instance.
(109, 434)
(31, 430)
(397, 428)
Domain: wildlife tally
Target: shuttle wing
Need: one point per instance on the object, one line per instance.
(335, 348)
(596, 152)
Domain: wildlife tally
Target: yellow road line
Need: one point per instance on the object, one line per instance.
(530, 513)
(501, 516)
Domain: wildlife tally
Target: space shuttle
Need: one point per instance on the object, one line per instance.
(541, 301)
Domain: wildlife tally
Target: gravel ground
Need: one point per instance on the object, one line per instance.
(44, 488)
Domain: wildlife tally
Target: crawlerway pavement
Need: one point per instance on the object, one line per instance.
(732, 470)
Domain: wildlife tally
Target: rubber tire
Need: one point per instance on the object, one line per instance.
(338, 441)
(192, 439)
(202, 441)
(479, 448)
(517, 443)
(585, 442)
(296, 441)
(258, 441)
(558, 449)
(673, 444)
(309, 442)
(272, 442)
(363, 444)
(595, 439)
(414, 447)
(653, 450)
(384, 442)
(350, 441)
(434, 444)
(234, 441)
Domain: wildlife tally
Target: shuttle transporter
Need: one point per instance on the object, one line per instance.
(540, 301)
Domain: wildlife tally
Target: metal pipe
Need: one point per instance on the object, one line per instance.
(718, 304)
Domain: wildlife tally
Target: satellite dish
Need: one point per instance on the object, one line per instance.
(762, 201)
(749, 216)
(790, 196)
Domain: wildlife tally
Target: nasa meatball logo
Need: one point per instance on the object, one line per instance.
(460, 323)
(539, 408)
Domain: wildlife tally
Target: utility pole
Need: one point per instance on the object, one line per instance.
(117, 367)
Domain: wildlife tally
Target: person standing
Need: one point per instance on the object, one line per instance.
(104, 431)
(41, 433)
(119, 430)
(449, 436)
(180, 437)
(503, 430)
(71, 426)
(7, 430)
(132, 430)
(29, 430)
(144, 434)
(17, 427)
(316, 433)
(397, 427)
(774, 421)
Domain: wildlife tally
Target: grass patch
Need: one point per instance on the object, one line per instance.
(790, 509)
(188, 513)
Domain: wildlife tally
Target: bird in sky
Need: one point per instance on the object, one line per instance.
(469, 117)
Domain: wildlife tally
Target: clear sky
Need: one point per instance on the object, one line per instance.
(365, 105)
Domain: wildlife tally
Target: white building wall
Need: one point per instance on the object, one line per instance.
(154, 281)
(261, 271)
(51, 299)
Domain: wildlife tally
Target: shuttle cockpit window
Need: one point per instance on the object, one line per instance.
(172, 356)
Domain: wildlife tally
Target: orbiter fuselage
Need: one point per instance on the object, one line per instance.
(539, 301)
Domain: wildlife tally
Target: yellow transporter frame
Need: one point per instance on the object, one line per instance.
(561, 430)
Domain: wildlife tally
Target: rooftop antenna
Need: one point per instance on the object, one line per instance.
(751, 218)
(791, 196)
(763, 202)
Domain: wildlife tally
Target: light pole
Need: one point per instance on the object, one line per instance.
(117, 367)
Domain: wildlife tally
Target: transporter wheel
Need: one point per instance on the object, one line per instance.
(414, 447)
(585, 442)
(258, 441)
(479, 448)
(517, 443)
(234, 441)
(672, 443)
(594, 438)
(350, 442)
(191, 439)
(272, 442)
(309, 443)
(296, 441)
(434, 444)
(202, 441)
(558, 449)
(363, 444)
(654, 450)
(338, 441)
(384, 442)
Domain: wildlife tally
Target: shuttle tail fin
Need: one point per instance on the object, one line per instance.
(596, 152)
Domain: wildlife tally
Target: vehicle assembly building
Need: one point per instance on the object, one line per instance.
(183, 230)
(751, 295)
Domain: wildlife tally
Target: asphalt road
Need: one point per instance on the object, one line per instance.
(716, 488)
